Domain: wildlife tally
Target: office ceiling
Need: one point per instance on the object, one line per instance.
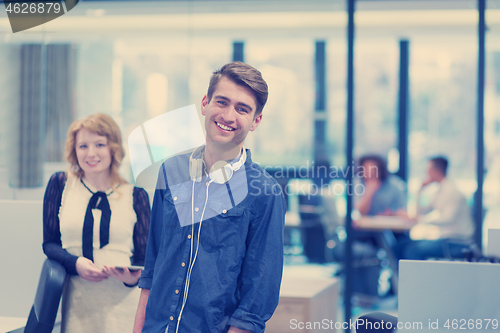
(246, 18)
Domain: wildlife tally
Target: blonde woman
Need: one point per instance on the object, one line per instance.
(94, 222)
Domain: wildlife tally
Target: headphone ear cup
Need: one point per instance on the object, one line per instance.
(221, 172)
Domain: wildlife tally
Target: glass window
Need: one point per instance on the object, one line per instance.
(443, 109)
(491, 186)
(284, 137)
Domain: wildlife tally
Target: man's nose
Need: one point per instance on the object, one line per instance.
(229, 114)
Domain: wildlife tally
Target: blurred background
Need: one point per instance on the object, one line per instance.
(139, 59)
(136, 60)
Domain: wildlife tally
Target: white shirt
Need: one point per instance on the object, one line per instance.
(448, 213)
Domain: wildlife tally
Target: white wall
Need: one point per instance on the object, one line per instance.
(21, 255)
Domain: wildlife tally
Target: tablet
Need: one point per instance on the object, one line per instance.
(131, 268)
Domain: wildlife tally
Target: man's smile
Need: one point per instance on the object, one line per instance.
(224, 127)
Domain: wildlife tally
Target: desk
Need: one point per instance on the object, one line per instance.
(304, 300)
(444, 290)
(385, 238)
(8, 324)
(379, 223)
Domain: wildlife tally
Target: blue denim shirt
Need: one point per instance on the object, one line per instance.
(236, 276)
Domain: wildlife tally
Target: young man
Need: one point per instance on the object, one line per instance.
(215, 249)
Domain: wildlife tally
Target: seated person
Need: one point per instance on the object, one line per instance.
(445, 225)
(383, 193)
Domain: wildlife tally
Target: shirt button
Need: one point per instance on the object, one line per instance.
(183, 264)
(171, 318)
(175, 198)
(224, 211)
(189, 236)
(177, 291)
(196, 209)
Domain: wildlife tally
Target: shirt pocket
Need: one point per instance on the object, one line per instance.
(226, 229)
(177, 207)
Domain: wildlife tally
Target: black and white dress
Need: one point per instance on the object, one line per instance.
(108, 305)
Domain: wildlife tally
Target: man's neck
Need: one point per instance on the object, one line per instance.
(441, 179)
(214, 153)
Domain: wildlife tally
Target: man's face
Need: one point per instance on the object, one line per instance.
(432, 172)
(230, 114)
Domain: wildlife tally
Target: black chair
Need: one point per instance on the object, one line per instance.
(48, 294)
(376, 322)
(313, 233)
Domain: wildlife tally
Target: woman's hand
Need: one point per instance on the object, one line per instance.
(88, 271)
(372, 185)
(426, 182)
(125, 275)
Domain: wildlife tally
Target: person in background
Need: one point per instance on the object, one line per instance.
(447, 218)
(96, 224)
(384, 193)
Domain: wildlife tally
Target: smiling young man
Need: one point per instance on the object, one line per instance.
(215, 249)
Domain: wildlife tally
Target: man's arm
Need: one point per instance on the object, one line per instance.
(141, 311)
(152, 249)
(422, 210)
(446, 213)
(262, 266)
(233, 329)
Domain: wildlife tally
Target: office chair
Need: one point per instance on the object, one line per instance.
(48, 294)
(376, 322)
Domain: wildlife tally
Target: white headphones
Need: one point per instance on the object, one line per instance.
(220, 172)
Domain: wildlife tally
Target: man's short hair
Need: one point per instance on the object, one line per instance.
(244, 75)
(440, 163)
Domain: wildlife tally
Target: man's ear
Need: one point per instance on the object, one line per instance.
(256, 122)
(204, 103)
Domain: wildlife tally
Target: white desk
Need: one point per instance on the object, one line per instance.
(304, 300)
(8, 324)
(440, 291)
(21, 238)
(493, 246)
(378, 223)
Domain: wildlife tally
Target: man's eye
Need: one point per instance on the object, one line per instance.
(221, 102)
(242, 110)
